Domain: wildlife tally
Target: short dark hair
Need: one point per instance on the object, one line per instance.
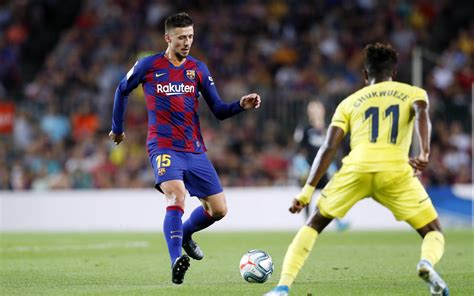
(380, 60)
(178, 20)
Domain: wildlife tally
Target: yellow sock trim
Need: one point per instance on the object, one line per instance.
(296, 254)
(432, 247)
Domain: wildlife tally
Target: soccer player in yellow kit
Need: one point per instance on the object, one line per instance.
(380, 118)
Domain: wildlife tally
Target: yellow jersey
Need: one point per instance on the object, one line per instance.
(380, 120)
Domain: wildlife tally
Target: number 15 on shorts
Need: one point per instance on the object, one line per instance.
(163, 160)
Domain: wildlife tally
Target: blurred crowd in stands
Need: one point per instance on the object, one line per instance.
(291, 52)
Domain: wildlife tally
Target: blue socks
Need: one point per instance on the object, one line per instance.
(198, 220)
(173, 231)
(176, 232)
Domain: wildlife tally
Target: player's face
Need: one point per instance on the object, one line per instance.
(180, 40)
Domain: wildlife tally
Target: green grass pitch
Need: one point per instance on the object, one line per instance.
(348, 263)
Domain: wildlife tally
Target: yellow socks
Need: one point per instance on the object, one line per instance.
(432, 247)
(431, 250)
(296, 254)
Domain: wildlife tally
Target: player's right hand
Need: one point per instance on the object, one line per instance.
(116, 138)
(296, 206)
(302, 199)
(419, 163)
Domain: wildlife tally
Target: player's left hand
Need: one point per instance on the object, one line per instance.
(250, 101)
(419, 163)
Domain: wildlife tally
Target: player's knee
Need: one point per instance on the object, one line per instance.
(218, 213)
(318, 221)
(432, 226)
(175, 198)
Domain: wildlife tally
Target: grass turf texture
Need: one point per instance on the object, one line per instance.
(349, 263)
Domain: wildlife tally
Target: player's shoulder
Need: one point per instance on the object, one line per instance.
(145, 62)
(407, 87)
(151, 58)
(354, 96)
(195, 62)
(193, 59)
(418, 92)
(415, 93)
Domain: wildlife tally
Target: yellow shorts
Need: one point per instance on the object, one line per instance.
(399, 191)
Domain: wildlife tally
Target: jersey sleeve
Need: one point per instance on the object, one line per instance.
(209, 92)
(341, 117)
(134, 77)
(418, 94)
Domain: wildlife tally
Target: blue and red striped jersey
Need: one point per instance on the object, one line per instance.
(172, 100)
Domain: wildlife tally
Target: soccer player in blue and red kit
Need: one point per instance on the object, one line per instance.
(173, 82)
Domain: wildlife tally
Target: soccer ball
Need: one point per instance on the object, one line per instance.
(256, 266)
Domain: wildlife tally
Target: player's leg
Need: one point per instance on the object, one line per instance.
(340, 225)
(344, 190)
(202, 181)
(432, 249)
(404, 195)
(298, 251)
(300, 248)
(168, 167)
(215, 205)
(213, 209)
(175, 193)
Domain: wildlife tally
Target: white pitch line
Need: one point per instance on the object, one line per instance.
(100, 246)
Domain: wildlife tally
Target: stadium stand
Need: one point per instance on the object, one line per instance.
(57, 81)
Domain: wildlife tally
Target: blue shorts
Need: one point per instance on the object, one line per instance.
(194, 169)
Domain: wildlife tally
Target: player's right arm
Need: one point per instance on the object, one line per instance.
(133, 78)
(319, 167)
(423, 131)
(338, 128)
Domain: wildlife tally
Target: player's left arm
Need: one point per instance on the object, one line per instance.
(423, 131)
(220, 109)
(319, 167)
(420, 109)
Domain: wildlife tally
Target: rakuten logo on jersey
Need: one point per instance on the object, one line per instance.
(174, 89)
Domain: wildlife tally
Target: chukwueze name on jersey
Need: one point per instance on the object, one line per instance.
(381, 93)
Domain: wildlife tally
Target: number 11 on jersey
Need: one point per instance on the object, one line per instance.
(393, 112)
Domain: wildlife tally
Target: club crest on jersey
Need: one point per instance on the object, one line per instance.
(191, 74)
(161, 171)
